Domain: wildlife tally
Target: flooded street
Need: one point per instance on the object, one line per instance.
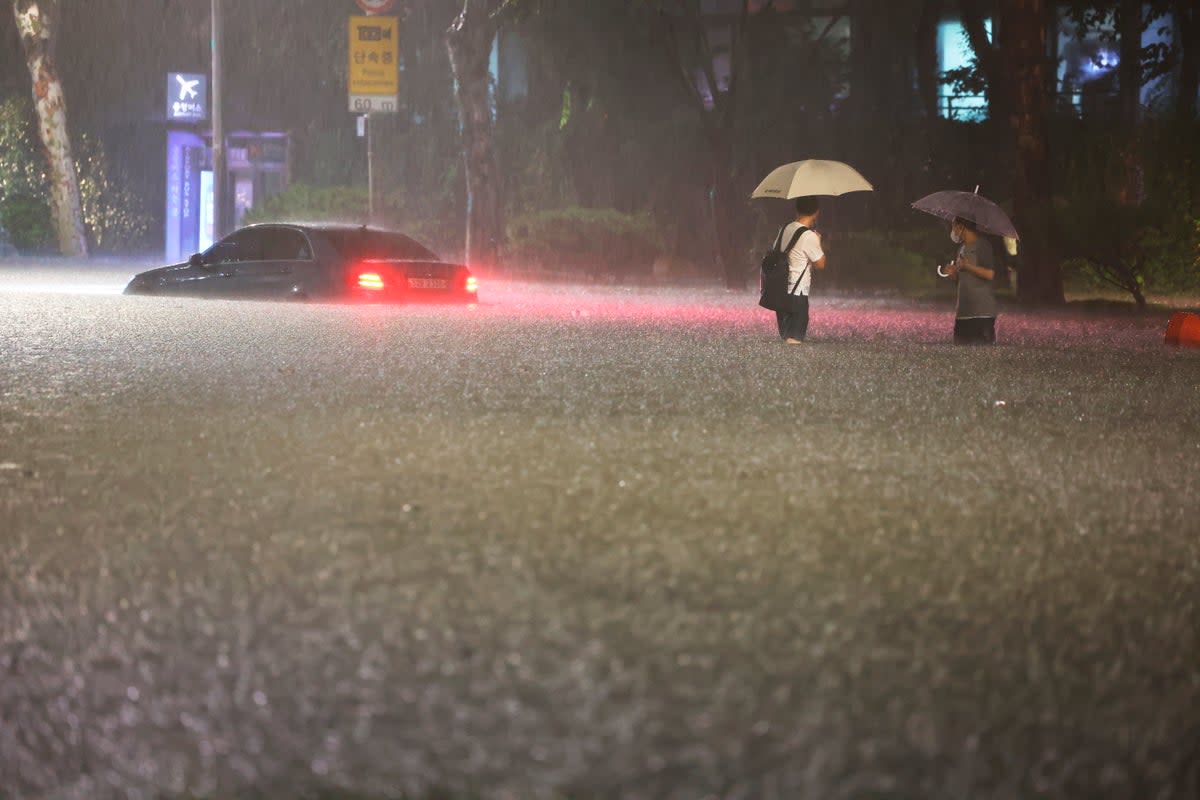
(590, 542)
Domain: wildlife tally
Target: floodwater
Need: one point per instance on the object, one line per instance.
(590, 542)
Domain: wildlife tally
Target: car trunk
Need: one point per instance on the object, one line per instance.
(430, 276)
(409, 278)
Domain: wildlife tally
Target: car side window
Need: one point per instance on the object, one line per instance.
(223, 252)
(281, 244)
(236, 247)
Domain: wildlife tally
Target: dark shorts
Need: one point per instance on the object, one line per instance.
(793, 323)
(976, 330)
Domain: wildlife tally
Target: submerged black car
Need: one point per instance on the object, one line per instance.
(319, 261)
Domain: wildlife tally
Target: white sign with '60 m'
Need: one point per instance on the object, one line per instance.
(372, 103)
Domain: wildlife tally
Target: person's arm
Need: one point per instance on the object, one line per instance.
(966, 265)
(981, 268)
(812, 249)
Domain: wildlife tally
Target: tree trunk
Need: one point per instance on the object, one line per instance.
(469, 42)
(882, 69)
(1129, 31)
(1187, 18)
(725, 206)
(1021, 32)
(927, 57)
(1129, 26)
(1138, 298)
(35, 23)
(727, 210)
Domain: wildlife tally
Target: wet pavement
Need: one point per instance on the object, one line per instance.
(590, 542)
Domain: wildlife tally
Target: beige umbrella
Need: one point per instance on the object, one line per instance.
(814, 176)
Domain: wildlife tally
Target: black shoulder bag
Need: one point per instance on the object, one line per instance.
(775, 293)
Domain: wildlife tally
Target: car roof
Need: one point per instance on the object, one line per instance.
(339, 227)
(346, 230)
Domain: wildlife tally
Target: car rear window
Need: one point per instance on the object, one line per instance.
(281, 244)
(378, 244)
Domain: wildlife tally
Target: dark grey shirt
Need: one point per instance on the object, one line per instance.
(976, 297)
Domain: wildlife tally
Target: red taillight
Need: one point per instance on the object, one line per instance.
(472, 284)
(370, 280)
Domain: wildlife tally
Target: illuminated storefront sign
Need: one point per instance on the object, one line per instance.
(187, 159)
(187, 97)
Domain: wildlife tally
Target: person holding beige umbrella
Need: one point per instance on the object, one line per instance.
(803, 182)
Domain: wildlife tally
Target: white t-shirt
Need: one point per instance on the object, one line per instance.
(807, 250)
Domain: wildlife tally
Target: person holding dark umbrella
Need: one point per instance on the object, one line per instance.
(975, 270)
(975, 267)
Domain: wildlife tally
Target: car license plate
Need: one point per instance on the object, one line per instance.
(427, 283)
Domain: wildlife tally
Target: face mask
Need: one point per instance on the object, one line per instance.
(955, 236)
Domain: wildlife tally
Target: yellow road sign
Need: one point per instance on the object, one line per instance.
(374, 56)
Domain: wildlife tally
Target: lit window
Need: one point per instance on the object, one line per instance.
(954, 53)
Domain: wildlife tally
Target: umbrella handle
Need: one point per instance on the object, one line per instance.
(942, 274)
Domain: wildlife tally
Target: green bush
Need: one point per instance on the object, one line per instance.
(21, 168)
(904, 261)
(115, 217)
(1139, 249)
(301, 202)
(27, 220)
(24, 214)
(593, 242)
(1172, 253)
(1151, 241)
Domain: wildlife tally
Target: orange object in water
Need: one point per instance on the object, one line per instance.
(1183, 329)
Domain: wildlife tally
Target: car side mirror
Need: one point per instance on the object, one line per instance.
(195, 260)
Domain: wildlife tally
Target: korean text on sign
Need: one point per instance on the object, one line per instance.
(374, 52)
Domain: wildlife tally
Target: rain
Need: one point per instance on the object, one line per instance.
(597, 531)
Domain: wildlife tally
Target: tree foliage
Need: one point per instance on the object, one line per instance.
(1151, 246)
(114, 216)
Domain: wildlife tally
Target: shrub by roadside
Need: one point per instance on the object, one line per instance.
(1133, 250)
(302, 202)
(885, 260)
(27, 221)
(588, 243)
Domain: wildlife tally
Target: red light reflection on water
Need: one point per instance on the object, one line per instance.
(840, 318)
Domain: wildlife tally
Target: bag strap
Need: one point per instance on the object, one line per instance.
(795, 237)
(797, 284)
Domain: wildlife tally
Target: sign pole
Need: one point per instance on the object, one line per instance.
(218, 127)
(370, 170)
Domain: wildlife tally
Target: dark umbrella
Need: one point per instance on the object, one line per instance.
(986, 215)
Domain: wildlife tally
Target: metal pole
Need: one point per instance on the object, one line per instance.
(370, 172)
(218, 127)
